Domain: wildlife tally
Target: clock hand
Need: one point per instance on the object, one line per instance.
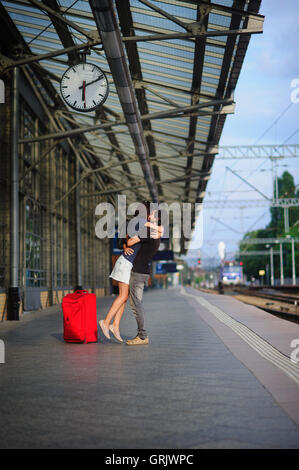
(84, 94)
(83, 91)
(90, 83)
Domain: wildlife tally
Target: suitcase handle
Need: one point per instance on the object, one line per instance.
(81, 291)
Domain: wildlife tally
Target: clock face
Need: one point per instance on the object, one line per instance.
(84, 87)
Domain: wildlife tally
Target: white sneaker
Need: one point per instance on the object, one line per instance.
(104, 328)
(116, 334)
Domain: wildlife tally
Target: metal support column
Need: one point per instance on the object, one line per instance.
(286, 220)
(293, 263)
(281, 265)
(13, 301)
(271, 266)
(78, 231)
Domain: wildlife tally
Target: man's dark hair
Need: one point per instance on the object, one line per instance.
(148, 207)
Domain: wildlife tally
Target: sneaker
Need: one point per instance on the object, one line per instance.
(136, 341)
(104, 328)
(116, 333)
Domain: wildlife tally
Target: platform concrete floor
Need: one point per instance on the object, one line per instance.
(186, 389)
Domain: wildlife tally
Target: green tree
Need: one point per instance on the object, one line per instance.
(275, 229)
(286, 189)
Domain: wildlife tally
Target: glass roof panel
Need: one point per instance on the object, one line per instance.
(171, 73)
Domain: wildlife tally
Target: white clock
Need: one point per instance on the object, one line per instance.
(84, 87)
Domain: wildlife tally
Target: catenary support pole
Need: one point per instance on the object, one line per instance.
(281, 265)
(13, 301)
(293, 263)
(272, 266)
(286, 220)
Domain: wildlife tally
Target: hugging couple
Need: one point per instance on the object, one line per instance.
(132, 270)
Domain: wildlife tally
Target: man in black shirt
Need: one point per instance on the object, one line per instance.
(139, 276)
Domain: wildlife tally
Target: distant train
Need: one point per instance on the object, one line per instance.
(232, 273)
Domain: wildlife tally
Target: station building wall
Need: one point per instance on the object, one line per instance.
(47, 236)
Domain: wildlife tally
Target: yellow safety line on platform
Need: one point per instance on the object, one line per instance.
(262, 347)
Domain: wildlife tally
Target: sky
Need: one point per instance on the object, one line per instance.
(263, 93)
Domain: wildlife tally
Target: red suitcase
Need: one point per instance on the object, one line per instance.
(80, 317)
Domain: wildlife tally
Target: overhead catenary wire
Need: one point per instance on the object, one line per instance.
(48, 26)
(275, 122)
(284, 142)
(263, 134)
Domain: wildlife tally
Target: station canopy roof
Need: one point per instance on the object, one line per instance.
(185, 58)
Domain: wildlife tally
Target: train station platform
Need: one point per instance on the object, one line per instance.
(216, 374)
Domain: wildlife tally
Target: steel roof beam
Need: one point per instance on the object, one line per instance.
(199, 54)
(145, 83)
(59, 127)
(159, 115)
(67, 41)
(110, 166)
(114, 142)
(29, 59)
(201, 142)
(214, 6)
(226, 85)
(226, 9)
(53, 13)
(225, 32)
(107, 25)
(166, 14)
(94, 42)
(9, 29)
(214, 135)
(61, 28)
(164, 98)
(126, 24)
(141, 185)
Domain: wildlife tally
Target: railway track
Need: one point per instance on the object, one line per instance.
(282, 301)
(277, 302)
(279, 296)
